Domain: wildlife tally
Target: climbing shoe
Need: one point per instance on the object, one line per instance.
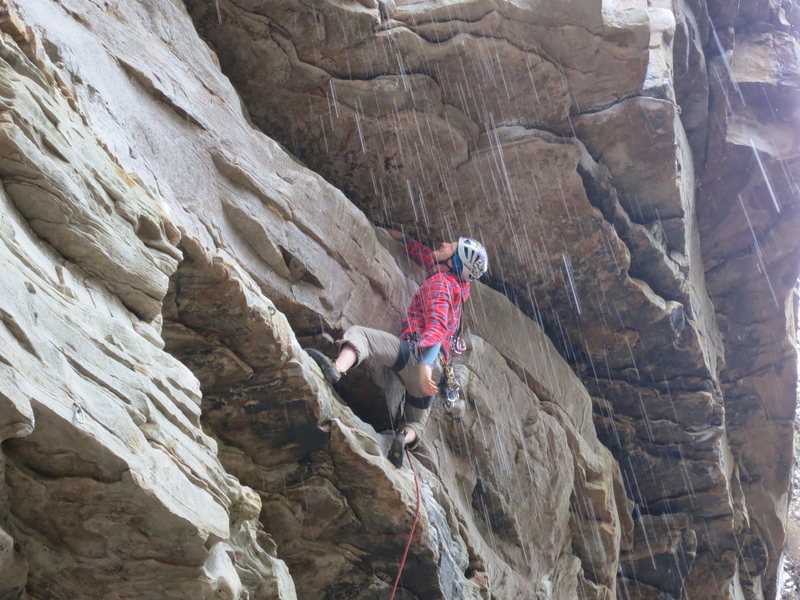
(396, 449)
(329, 371)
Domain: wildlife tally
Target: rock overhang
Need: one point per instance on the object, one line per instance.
(639, 313)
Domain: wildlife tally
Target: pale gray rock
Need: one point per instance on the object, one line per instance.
(111, 486)
(74, 195)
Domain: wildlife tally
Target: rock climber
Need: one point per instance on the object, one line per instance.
(430, 329)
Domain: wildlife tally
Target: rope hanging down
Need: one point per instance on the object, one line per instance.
(413, 527)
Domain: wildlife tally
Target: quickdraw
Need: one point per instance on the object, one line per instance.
(78, 414)
(449, 387)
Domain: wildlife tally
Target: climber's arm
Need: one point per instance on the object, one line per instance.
(419, 253)
(427, 357)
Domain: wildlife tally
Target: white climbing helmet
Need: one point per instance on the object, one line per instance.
(470, 260)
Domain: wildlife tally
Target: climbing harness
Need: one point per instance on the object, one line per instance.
(413, 527)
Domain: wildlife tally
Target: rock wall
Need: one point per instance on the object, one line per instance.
(630, 382)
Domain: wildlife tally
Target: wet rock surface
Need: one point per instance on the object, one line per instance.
(612, 215)
(629, 388)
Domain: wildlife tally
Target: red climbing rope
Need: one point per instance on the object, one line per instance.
(413, 527)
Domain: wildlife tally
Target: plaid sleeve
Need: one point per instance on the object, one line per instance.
(438, 305)
(420, 254)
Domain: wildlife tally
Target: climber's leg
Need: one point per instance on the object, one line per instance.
(366, 343)
(357, 344)
(416, 407)
(346, 359)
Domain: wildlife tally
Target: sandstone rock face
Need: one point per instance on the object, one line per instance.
(629, 385)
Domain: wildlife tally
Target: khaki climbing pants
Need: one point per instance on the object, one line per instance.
(398, 355)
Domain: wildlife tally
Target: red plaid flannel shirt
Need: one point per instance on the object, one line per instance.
(435, 310)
